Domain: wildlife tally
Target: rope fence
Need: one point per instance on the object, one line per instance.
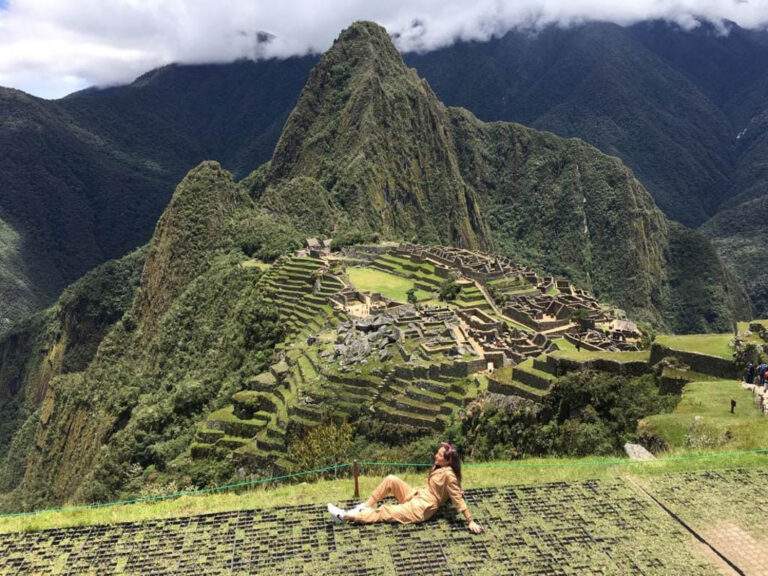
(357, 467)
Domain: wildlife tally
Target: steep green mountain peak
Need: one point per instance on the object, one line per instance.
(192, 225)
(375, 137)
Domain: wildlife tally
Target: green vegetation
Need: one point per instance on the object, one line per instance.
(584, 355)
(449, 291)
(702, 419)
(711, 344)
(585, 413)
(386, 284)
(173, 350)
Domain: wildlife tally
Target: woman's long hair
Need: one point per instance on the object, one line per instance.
(452, 456)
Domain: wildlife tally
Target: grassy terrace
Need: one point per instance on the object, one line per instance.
(709, 344)
(533, 471)
(568, 350)
(389, 285)
(702, 418)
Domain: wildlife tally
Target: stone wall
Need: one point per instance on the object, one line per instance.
(711, 365)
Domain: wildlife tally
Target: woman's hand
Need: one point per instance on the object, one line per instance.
(474, 527)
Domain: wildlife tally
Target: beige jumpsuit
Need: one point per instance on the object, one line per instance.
(414, 505)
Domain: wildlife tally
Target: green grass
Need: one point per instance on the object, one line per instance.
(527, 366)
(256, 263)
(715, 427)
(476, 475)
(571, 353)
(389, 285)
(710, 344)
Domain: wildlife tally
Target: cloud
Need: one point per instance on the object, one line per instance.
(51, 47)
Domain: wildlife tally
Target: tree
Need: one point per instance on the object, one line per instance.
(411, 295)
(449, 290)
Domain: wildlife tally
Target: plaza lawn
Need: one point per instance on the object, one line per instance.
(710, 344)
(389, 285)
(715, 427)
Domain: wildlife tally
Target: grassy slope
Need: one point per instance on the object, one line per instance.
(703, 419)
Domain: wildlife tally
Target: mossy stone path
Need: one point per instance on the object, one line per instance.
(592, 527)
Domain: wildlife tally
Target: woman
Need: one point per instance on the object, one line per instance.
(443, 482)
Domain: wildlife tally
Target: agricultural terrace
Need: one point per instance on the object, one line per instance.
(718, 345)
(703, 420)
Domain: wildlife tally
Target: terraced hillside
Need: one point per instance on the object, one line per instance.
(410, 392)
(253, 428)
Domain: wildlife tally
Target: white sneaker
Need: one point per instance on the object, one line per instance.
(336, 513)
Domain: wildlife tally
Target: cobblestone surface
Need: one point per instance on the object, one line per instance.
(550, 529)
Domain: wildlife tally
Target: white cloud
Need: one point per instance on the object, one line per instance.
(51, 47)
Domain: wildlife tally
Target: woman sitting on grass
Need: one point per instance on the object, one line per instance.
(414, 505)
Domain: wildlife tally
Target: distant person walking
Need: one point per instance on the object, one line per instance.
(761, 368)
(414, 505)
(749, 374)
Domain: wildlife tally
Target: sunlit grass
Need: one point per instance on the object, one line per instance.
(393, 287)
(703, 416)
(710, 344)
(476, 475)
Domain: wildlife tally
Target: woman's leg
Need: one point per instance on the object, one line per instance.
(391, 486)
(415, 510)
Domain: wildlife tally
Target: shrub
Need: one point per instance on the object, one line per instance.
(322, 446)
(449, 290)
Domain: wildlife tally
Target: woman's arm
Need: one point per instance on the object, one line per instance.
(457, 497)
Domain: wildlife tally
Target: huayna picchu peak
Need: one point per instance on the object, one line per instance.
(372, 133)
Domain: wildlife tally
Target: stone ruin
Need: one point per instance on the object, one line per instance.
(475, 265)
(357, 340)
(500, 343)
(436, 330)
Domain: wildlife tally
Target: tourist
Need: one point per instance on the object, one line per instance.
(762, 367)
(414, 505)
(749, 373)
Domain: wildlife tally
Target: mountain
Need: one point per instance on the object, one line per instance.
(85, 178)
(378, 149)
(682, 108)
(110, 384)
(685, 109)
(669, 102)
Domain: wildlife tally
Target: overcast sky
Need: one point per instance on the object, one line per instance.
(53, 47)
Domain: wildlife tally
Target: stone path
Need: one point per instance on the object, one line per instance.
(736, 544)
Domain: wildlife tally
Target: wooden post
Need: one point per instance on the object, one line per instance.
(356, 474)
